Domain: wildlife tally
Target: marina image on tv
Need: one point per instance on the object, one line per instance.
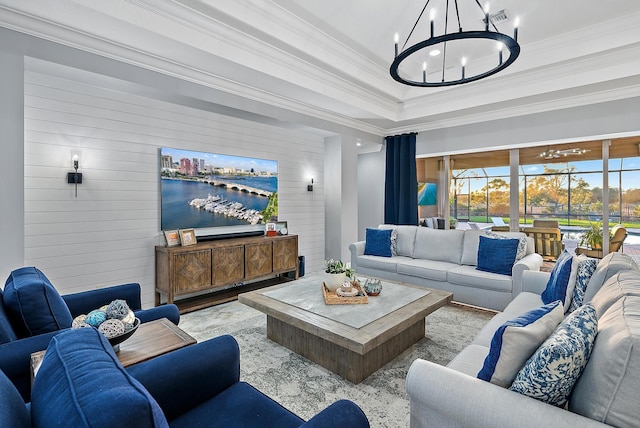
(208, 190)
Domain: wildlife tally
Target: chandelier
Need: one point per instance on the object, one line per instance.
(556, 154)
(446, 58)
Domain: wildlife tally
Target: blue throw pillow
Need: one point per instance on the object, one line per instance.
(497, 255)
(81, 383)
(516, 340)
(552, 371)
(558, 283)
(6, 330)
(586, 267)
(33, 304)
(522, 243)
(378, 242)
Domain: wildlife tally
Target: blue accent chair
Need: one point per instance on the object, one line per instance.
(81, 383)
(32, 312)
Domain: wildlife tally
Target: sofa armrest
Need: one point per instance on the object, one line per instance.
(528, 262)
(357, 249)
(442, 397)
(168, 311)
(342, 413)
(86, 301)
(535, 282)
(15, 360)
(189, 376)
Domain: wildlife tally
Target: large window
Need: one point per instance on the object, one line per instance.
(570, 192)
(480, 193)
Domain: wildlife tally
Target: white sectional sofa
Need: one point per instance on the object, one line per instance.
(446, 260)
(606, 393)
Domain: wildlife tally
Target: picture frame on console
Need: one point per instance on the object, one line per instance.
(270, 229)
(187, 237)
(282, 228)
(171, 238)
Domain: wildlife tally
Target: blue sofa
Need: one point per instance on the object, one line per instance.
(32, 312)
(82, 384)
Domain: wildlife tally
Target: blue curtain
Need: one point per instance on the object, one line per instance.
(401, 181)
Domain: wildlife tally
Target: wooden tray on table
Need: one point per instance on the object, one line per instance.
(331, 298)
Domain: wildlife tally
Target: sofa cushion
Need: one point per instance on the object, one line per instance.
(625, 283)
(428, 269)
(607, 391)
(558, 286)
(230, 409)
(387, 264)
(33, 304)
(522, 303)
(516, 340)
(405, 240)
(471, 277)
(470, 360)
(610, 265)
(82, 383)
(552, 371)
(378, 242)
(586, 267)
(438, 245)
(497, 255)
(470, 247)
(13, 412)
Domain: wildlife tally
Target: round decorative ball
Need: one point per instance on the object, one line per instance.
(128, 326)
(118, 309)
(95, 318)
(79, 321)
(130, 318)
(111, 328)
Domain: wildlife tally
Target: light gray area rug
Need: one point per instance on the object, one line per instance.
(306, 388)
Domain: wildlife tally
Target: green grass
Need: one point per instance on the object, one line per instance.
(562, 222)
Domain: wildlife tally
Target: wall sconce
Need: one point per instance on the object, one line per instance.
(75, 177)
(310, 186)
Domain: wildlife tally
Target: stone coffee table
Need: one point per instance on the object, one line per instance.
(351, 340)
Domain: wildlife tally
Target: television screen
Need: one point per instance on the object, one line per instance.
(208, 190)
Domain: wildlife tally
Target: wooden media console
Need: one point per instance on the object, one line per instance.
(216, 265)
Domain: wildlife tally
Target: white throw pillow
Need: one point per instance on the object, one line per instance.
(516, 340)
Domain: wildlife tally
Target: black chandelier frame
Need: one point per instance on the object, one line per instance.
(509, 43)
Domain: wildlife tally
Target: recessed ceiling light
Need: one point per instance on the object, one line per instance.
(434, 52)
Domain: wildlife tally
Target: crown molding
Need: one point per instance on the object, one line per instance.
(526, 106)
(48, 29)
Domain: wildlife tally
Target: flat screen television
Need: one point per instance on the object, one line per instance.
(217, 194)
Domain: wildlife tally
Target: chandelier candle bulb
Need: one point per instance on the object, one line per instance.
(486, 17)
(396, 39)
(516, 24)
(463, 62)
(432, 17)
(424, 71)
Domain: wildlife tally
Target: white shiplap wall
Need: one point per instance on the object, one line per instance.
(107, 234)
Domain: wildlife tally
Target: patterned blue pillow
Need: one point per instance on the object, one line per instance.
(378, 242)
(552, 371)
(558, 284)
(514, 342)
(586, 267)
(497, 255)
